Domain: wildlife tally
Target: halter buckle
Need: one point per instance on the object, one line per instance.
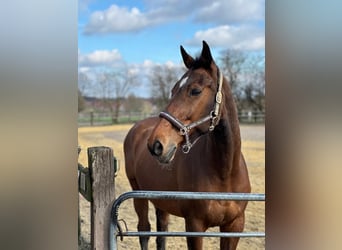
(184, 130)
(219, 97)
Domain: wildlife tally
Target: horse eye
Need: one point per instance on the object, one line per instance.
(195, 92)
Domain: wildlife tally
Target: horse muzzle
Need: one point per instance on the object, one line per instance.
(164, 153)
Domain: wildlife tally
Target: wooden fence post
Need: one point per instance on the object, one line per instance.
(102, 172)
(91, 118)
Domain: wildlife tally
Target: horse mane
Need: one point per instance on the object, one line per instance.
(230, 114)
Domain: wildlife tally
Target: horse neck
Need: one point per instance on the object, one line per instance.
(226, 137)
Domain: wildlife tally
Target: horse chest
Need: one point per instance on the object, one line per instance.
(212, 213)
(200, 177)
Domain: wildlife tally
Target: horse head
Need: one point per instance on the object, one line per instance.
(194, 108)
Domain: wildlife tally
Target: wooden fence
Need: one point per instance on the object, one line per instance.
(96, 184)
(105, 118)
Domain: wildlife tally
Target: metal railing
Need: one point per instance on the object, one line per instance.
(114, 232)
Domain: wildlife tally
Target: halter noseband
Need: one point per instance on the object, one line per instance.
(213, 117)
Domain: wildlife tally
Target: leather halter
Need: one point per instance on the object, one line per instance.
(212, 117)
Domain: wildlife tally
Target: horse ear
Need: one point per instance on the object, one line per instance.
(187, 59)
(206, 57)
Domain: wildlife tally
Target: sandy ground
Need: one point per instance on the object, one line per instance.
(253, 147)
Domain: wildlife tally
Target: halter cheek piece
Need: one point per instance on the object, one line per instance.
(212, 117)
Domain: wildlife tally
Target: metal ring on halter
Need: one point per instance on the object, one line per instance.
(214, 119)
(211, 127)
(186, 148)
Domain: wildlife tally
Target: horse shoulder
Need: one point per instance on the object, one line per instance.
(140, 130)
(133, 146)
(240, 177)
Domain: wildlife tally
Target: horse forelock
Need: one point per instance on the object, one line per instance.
(184, 79)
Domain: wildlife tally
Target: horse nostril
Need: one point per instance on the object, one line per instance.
(157, 148)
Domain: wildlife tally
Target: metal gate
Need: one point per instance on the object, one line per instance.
(114, 233)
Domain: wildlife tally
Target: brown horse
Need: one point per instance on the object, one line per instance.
(194, 145)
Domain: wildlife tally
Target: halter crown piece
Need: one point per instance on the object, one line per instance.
(212, 117)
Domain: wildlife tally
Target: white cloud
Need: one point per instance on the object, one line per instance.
(171, 64)
(83, 5)
(212, 11)
(145, 69)
(99, 58)
(122, 19)
(244, 37)
(223, 12)
(148, 64)
(83, 69)
(116, 19)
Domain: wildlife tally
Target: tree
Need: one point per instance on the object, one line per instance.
(114, 86)
(232, 65)
(84, 83)
(162, 78)
(254, 90)
(81, 104)
(133, 104)
(104, 84)
(246, 75)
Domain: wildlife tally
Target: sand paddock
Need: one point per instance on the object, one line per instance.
(253, 147)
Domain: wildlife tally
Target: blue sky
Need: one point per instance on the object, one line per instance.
(141, 34)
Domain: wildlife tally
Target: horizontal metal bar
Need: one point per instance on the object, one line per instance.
(194, 195)
(176, 195)
(194, 234)
(142, 194)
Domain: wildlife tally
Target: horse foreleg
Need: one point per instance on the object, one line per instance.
(193, 225)
(236, 225)
(162, 226)
(141, 208)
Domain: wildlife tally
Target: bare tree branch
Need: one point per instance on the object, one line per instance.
(162, 79)
(114, 86)
(246, 76)
(232, 64)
